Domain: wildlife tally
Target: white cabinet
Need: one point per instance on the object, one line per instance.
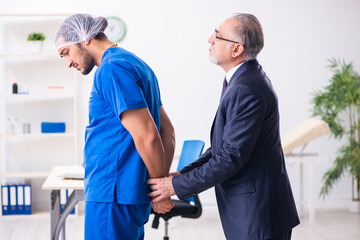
(47, 93)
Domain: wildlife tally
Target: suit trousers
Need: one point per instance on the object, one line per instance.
(285, 236)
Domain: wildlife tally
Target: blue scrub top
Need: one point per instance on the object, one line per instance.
(121, 82)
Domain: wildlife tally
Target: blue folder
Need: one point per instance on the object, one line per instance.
(13, 199)
(5, 199)
(27, 199)
(64, 195)
(20, 199)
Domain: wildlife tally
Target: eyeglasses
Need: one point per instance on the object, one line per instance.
(224, 39)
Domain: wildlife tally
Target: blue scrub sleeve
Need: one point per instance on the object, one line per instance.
(121, 89)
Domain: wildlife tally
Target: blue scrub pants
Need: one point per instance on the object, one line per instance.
(112, 221)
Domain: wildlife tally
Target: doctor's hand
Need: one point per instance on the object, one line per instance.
(162, 188)
(162, 206)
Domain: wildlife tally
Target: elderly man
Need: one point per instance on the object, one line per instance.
(125, 143)
(245, 161)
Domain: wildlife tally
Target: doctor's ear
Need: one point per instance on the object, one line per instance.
(86, 42)
(237, 50)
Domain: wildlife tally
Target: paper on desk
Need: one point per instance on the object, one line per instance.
(72, 176)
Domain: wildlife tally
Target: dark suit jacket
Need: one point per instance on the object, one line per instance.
(245, 162)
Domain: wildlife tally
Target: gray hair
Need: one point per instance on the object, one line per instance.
(248, 31)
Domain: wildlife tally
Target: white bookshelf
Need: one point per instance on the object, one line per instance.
(31, 156)
(31, 136)
(25, 174)
(37, 97)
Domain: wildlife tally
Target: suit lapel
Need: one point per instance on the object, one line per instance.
(243, 68)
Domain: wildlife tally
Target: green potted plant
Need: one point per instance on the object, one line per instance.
(36, 41)
(338, 104)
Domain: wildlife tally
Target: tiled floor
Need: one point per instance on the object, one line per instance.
(332, 224)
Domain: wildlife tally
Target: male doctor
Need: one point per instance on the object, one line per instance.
(125, 143)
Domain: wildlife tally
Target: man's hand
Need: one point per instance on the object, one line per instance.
(162, 188)
(162, 206)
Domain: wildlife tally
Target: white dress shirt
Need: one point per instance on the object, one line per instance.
(230, 73)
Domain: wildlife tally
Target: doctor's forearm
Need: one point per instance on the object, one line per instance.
(167, 134)
(169, 146)
(152, 154)
(146, 138)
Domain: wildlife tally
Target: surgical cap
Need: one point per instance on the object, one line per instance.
(79, 28)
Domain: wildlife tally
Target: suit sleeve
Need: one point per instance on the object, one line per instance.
(244, 113)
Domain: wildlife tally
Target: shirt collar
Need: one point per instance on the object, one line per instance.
(230, 73)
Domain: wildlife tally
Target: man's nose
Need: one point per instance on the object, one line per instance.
(211, 39)
(68, 62)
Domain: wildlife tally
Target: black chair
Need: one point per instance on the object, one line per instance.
(189, 208)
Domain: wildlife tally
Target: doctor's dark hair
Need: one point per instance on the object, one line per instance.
(101, 36)
(248, 31)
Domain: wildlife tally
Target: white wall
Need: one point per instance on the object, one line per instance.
(172, 37)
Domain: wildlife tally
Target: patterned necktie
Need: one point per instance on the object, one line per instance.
(225, 83)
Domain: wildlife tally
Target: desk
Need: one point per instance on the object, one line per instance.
(55, 183)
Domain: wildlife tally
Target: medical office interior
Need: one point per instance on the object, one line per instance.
(171, 36)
